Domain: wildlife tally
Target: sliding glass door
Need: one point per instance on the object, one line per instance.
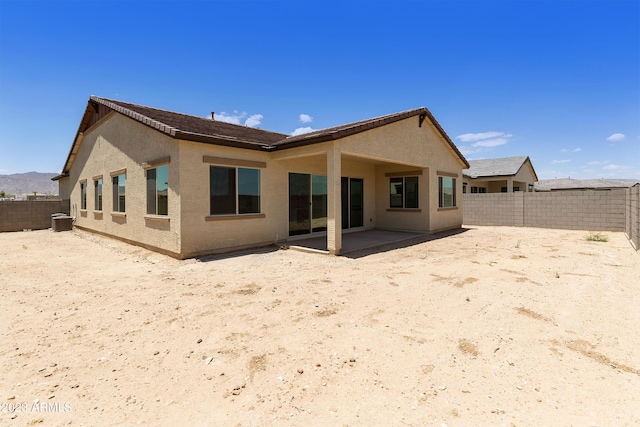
(356, 208)
(299, 204)
(318, 203)
(352, 202)
(307, 203)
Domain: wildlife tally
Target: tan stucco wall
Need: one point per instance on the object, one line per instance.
(201, 235)
(525, 175)
(410, 146)
(64, 188)
(120, 142)
(404, 146)
(115, 144)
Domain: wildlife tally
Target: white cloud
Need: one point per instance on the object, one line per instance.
(300, 131)
(230, 118)
(613, 167)
(485, 139)
(469, 137)
(575, 150)
(616, 137)
(594, 163)
(555, 162)
(494, 142)
(236, 118)
(253, 120)
(305, 118)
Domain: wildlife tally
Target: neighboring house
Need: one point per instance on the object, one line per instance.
(186, 185)
(504, 175)
(564, 184)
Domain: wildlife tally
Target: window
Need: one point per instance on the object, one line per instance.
(83, 195)
(97, 185)
(403, 192)
(474, 190)
(464, 188)
(234, 191)
(446, 192)
(118, 185)
(482, 189)
(158, 190)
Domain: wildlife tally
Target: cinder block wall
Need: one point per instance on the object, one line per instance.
(30, 214)
(594, 210)
(632, 209)
(494, 209)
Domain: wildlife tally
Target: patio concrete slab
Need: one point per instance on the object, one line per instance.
(357, 241)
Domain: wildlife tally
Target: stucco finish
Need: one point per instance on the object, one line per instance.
(121, 143)
(189, 230)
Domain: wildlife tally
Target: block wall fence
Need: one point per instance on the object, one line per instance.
(592, 210)
(18, 215)
(632, 209)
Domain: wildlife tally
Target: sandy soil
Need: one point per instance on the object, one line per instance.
(492, 326)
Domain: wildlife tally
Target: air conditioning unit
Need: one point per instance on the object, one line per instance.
(61, 223)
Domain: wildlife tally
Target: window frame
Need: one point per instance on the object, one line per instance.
(98, 194)
(83, 195)
(235, 180)
(153, 190)
(119, 204)
(441, 192)
(406, 198)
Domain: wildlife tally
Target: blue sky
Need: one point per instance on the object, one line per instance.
(558, 81)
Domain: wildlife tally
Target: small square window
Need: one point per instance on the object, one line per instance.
(403, 192)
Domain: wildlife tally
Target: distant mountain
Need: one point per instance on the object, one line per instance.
(21, 184)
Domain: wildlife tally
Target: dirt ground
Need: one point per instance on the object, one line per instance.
(491, 326)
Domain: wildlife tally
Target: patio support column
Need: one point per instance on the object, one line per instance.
(510, 185)
(334, 196)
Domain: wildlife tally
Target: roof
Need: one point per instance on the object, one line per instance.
(583, 184)
(206, 130)
(189, 127)
(505, 166)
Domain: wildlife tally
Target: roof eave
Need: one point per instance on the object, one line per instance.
(219, 140)
(59, 177)
(300, 143)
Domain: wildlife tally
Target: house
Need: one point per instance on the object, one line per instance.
(503, 175)
(565, 184)
(186, 186)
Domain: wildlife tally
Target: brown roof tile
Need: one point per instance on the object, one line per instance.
(192, 127)
(200, 129)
